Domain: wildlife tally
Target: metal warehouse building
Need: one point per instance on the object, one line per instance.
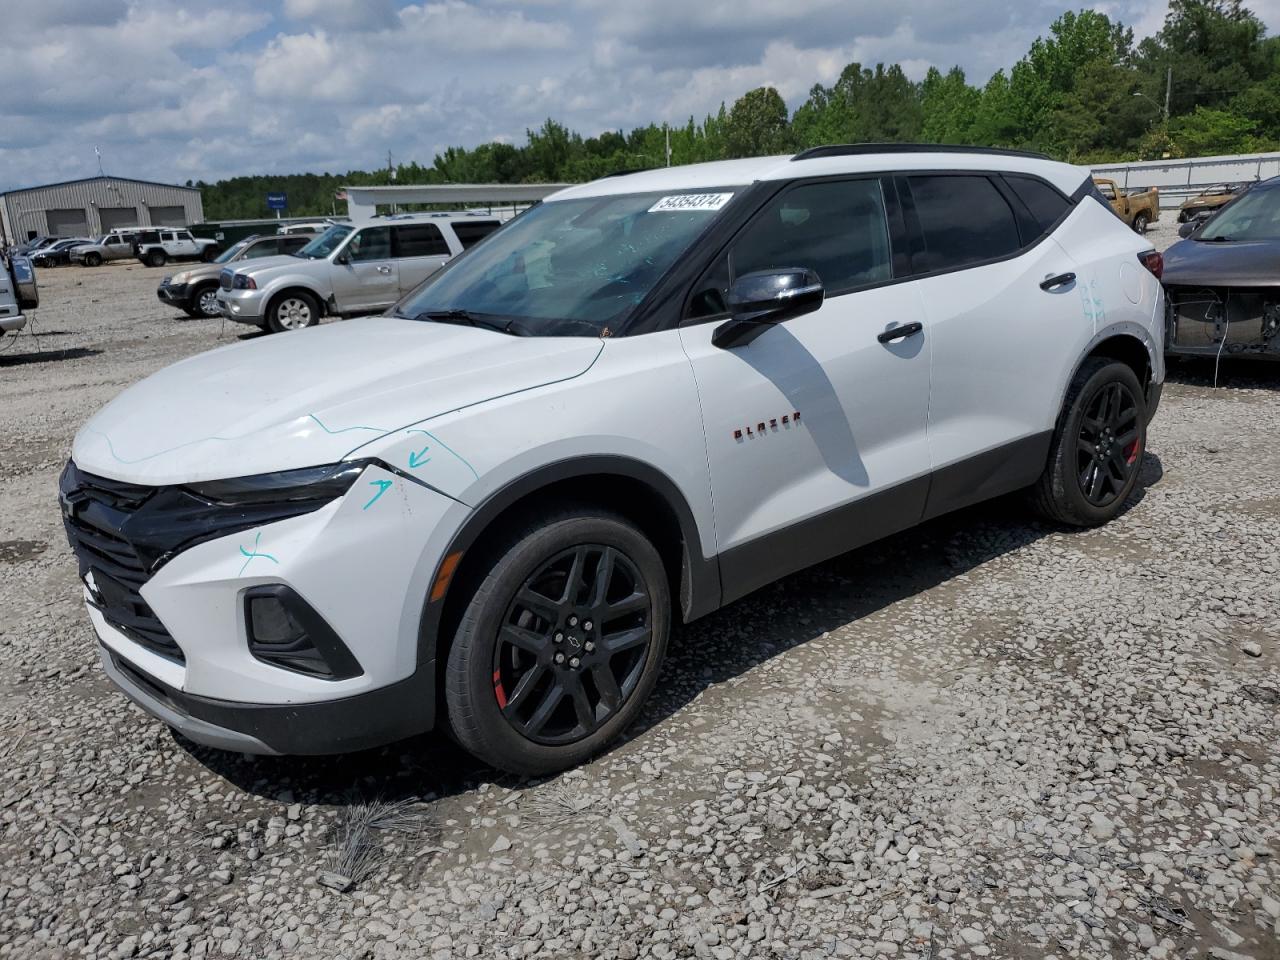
(86, 208)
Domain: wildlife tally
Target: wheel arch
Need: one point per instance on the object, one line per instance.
(1129, 343)
(638, 491)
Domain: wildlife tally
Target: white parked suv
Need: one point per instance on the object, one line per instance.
(348, 269)
(642, 399)
(174, 244)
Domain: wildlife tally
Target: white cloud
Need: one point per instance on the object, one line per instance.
(178, 89)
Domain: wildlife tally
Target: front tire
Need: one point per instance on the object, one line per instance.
(560, 644)
(93, 259)
(204, 302)
(294, 310)
(157, 258)
(1097, 448)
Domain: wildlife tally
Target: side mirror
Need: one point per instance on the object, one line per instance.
(1188, 228)
(343, 258)
(759, 300)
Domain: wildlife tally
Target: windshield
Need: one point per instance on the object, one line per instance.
(1252, 216)
(231, 252)
(325, 244)
(568, 267)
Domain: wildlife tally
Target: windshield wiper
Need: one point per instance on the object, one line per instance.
(469, 319)
(1220, 238)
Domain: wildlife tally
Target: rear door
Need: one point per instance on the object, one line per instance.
(1004, 339)
(815, 430)
(420, 250)
(369, 280)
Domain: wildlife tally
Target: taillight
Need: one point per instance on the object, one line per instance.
(1153, 260)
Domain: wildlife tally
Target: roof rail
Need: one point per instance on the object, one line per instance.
(860, 149)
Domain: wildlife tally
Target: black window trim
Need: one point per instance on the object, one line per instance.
(894, 221)
(997, 177)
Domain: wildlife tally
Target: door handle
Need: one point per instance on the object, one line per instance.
(1061, 280)
(900, 333)
(384, 269)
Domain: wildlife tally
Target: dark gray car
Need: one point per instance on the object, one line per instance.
(1223, 281)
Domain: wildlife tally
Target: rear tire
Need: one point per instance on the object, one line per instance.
(292, 310)
(528, 703)
(1140, 223)
(1097, 448)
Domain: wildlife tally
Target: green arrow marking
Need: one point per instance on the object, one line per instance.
(383, 486)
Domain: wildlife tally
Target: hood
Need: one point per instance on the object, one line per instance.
(284, 262)
(1214, 201)
(1237, 263)
(310, 397)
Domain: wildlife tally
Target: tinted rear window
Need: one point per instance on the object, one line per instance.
(420, 240)
(963, 219)
(472, 232)
(1046, 204)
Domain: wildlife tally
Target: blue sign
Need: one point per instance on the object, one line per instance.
(276, 201)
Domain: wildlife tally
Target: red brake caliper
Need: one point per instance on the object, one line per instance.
(498, 691)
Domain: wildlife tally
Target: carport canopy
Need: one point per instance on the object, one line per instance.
(363, 202)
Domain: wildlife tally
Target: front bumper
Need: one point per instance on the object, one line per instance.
(178, 644)
(175, 294)
(12, 324)
(243, 306)
(372, 719)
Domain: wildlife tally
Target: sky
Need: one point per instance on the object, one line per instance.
(173, 90)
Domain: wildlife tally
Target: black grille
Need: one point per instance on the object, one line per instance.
(95, 513)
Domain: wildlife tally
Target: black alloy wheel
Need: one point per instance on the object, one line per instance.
(1109, 446)
(573, 645)
(1098, 445)
(559, 644)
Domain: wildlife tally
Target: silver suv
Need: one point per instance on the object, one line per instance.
(348, 269)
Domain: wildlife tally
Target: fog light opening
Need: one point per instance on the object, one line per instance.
(286, 632)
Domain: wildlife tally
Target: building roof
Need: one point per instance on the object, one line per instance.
(64, 183)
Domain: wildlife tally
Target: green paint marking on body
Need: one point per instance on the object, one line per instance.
(383, 486)
(250, 556)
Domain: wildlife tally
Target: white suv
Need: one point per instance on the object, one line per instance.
(348, 270)
(637, 402)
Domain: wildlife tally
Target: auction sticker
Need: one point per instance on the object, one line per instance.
(691, 201)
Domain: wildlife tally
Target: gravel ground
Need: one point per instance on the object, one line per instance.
(985, 737)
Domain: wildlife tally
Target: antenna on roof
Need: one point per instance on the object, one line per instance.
(98, 153)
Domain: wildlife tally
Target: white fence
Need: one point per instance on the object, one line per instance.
(1179, 179)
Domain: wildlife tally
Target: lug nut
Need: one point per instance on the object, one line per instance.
(573, 662)
(573, 621)
(589, 647)
(559, 658)
(559, 638)
(586, 625)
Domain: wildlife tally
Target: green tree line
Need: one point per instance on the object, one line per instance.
(1084, 92)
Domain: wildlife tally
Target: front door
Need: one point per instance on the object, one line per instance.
(420, 250)
(369, 279)
(816, 430)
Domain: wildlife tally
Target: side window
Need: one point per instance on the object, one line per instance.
(372, 243)
(167, 237)
(294, 243)
(1046, 204)
(470, 233)
(838, 229)
(264, 248)
(420, 240)
(963, 219)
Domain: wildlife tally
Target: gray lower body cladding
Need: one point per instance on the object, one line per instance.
(1231, 321)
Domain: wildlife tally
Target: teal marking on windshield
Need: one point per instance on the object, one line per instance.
(344, 429)
(383, 486)
(465, 463)
(255, 554)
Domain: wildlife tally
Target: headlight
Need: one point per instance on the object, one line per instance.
(180, 278)
(310, 484)
(243, 281)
